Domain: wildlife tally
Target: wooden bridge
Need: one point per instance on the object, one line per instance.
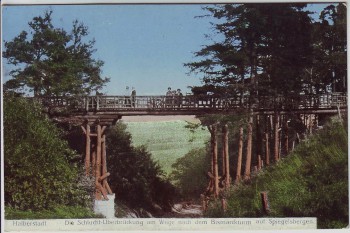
(107, 108)
(95, 113)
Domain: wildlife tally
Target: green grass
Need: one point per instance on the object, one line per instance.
(311, 182)
(166, 140)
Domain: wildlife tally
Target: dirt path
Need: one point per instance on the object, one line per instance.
(185, 211)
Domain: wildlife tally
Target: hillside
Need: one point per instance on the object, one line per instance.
(167, 140)
(310, 182)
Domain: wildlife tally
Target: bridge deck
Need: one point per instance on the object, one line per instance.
(110, 107)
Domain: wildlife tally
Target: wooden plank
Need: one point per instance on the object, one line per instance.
(102, 190)
(103, 129)
(104, 176)
(106, 186)
(82, 127)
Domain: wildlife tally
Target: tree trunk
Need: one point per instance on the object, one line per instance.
(93, 159)
(286, 137)
(258, 142)
(87, 149)
(98, 162)
(249, 149)
(276, 131)
(267, 142)
(214, 152)
(240, 154)
(226, 163)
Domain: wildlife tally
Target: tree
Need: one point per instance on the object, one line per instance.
(329, 67)
(53, 62)
(265, 49)
(38, 169)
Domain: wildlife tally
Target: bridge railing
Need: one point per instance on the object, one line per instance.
(191, 102)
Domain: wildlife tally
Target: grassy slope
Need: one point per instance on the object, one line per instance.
(312, 181)
(166, 140)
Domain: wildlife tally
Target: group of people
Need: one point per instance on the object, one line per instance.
(173, 92)
(173, 98)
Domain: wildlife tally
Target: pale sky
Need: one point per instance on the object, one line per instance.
(143, 46)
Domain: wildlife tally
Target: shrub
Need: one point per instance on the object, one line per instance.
(38, 173)
(189, 172)
(135, 177)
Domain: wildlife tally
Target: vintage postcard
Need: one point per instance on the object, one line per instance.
(181, 116)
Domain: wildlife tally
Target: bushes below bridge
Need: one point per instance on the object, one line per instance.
(38, 168)
(135, 178)
(189, 173)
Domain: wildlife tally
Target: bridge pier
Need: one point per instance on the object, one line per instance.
(95, 153)
(214, 159)
(225, 157)
(249, 148)
(240, 155)
(96, 166)
(276, 137)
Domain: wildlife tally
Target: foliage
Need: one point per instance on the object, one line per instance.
(135, 177)
(189, 173)
(311, 182)
(263, 45)
(58, 212)
(53, 62)
(329, 66)
(272, 49)
(37, 163)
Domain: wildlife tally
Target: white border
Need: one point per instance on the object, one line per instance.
(96, 2)
(74, 2)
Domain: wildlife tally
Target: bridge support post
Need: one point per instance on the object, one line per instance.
(249, 149)
(98, 159)
(276, 132)
(214, 153)
(258, 143)
(225, 156)
(267, 143)
(240, 155)
(87, 149)
(286, 136)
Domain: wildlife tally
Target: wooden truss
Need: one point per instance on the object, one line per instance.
(95, 159)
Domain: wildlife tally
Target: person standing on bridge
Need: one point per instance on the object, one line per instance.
(133, 97)
(179, 97)
(127, 102)
(169, 98)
